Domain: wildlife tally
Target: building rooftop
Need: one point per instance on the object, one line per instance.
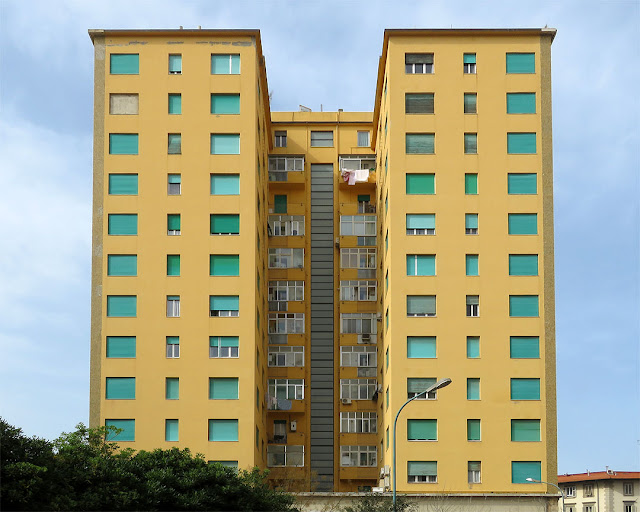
(599, 475)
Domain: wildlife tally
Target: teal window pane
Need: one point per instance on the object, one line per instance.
(421, 184)
(521, 63)
(225, 103)
(121, 346)
(225, 184)
(128, 428)
(364, 198)
(123, 184)
(175, 103)
(172, 388)
(122, 224)
(120, 388)
(471, 264)
(421, 221)
(522, 183)
(223, 388)
(473, 347)
(523, 305)
(225, 143)
(422, 468)
(473, 430)
(124, 64)
(523, 223)
(473, 389)
(222, 224)
(123, 143)
(175, 178)
(470, 143)
(520, 471)
(420, 143)
(175, 64)
(122, 265)
(173, 264)
(174, 144)
(521, 143)
(224, 341)
(173, 340)
(223, 430)
(525, 430)
(523, 264)
(469, 58)
(422, 430)
(224, 265)
(525, 389)
(521, 103)
(421, 347)
(121, 305)
(279, 203)
(471, 184)
(173, 222)
(421, 265)
(524, 347)
(171, 430)
(471, 221)
(224, 302)
(225, 64)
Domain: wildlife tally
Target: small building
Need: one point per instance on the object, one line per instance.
(601, 491)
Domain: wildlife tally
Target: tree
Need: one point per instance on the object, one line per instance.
(378, 503)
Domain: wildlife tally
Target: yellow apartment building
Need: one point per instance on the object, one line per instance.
(269, 288)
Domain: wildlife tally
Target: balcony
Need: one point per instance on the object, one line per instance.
(286, 169)
(357, 170)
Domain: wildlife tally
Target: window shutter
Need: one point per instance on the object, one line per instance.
(522, 183)
(280, 203)
(473, 347)
(362, 198)
(123, 184)
(521, 63)
(171, 430)
(420, 183)
(224, 265)
(225, 224)
(471, 263)
(124, 64)
(225, 184)
(421, 304)
(421, 347)
(470, 143)
(525, 430)
(469, 58)
(223, 388)
(420, 143)
(121, 305)
(123, 143)
(419, 103)
(524, 347)
(121, 346)
(175, 144)
(473, 430)
(173, 221)
(426, 265)
(120, 388)
(223, 430)
(521, 143)
(473, 389)
(225, 144)
(175, 178)
(128, 430)
(175, 104)
(471, 221)
(225, 103)
(421, 221)
(229, 341)
(418, 58)
(525, 389)
(422, 430)
(122, 265)
(520, 471)
(419, 385)
(173, 340)
(471, 184)
(173, 264)
(523, 305)
(175, 63)
(521, 103)
(422, 468)
(172, 388)
(225, 64)
(123, 224)
(224, 302)
(523, 223)
(473, 300)
(523, 264)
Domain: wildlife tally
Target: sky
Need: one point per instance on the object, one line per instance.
(323, 53)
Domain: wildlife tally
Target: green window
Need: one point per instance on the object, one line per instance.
(386, 204)
(279, 203)
(473, 430)
(420, 143)
(123, 184)
(421, 183)
(123, 143)
(422, 430)
(423, 468)
(421, 305)
(225, 143)
(172, 388)
(521, 103)
(224, 224)
(420, 222)
(387, 438)
(523, 264)
(471, 223)
(521, 143)
(225, 64)
(174, 144)
(521, 63)
(418, 103)
(127, 427)
(223, 430)
(387, 399)
(223, 388)
(525, 389)
(175, 64)
(173, 223)
(387, 319)
(470, 103)
(524, 347)
(471, 143)
(523, 223)
(225, 103)
(386, 359)
(469, 58)
(120, 388)
(122, 265)
(421, 347)
(386, 249)
(386, 281)
(473, 347)
(470, 184)
(225, 184)
(421, 264)
(522, 183)
(124, 64)
(121, 305)
(520, 471)
(170, 430)
(473, 389)
(471, 264)
(523, 305)
(224, 303)
(224, 265)
(121, 346)
(173, 264)
(175, 103)
(123, 224)
(525, 430)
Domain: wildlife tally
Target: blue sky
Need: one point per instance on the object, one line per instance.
(323, 53)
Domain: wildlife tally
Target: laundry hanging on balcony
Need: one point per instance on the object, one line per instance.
(353, 176)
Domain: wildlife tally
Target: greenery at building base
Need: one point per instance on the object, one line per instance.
(378, 503)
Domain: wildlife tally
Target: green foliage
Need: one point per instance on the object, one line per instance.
(378, 503)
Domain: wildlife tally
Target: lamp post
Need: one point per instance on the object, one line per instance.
(440, 384)
(533, 480)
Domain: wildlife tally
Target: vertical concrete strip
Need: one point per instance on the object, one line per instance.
(321, 385)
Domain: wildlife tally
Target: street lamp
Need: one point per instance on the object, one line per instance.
(440, 384)
(533, 480)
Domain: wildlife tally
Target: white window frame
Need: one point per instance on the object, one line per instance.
(285, 291)
(629, 506)
(589, 507)
(223, 352)
(286, 356)
(359, 456)
(172, 187)
(570, 491)
(358, 389)
(475, 475)
(355, 323)
(362, 290)
(588, 490)
(420, 68)
(173, 307)
(358, 225)
(469, 68)
(627, 488)
(359, 422)
(422, 479)
(473, 310)
(367, 142)
(286, 257)
(281, 166)
(286, 225)
(359, 357)
(173, 350)
(470, 231)
(356, 257)
(281, 139)
(315, 138)
(286, 323)
(294, 388)
(421, 231)
(354, 163)
(287, 452)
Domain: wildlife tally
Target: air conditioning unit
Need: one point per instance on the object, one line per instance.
(346, 401)
(293, 425)
(386, 470)
(366, 338)
(377, 489)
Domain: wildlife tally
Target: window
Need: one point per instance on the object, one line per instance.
(358, 389)
(173, 264)
(223, 346)
(364, 204)
(286, 356)
(473, 430)
(469, 63)
(473, 389)
(470, 143)
(474, 472)
(124, 64)
(521, 103)
(470, 103)
(358, 258)
(470, 184)
(123, 104)
(363, 139)
(281, 166)
(121, 305)
(285, 291)
(522, 183)
(358, 323)
(173, 306)
(173, 224)
(627, 488)
(122, 265)
(175, 144)
(418, 103)
(418, 63)
(420, 143)
(421, 347)
(123, 184)
(123, 143)
(473, 347)
(286, 225)
(127, 427)
(525, 430)
(285, 455)
(471, 224)
(321, 139)
(473, 305)
(121, 346)
(520, 471)
(281, 139)
(360, 357)
(521, 143)
(525, 389)
(174, 184)
(523, 264)
(225, 104)
(589, 507)
(417, 386)
(175, 64)
(171, 430)
(521, 63)
(422, 472)
(421, 305)
(471, 264)
(286, 258)
(279, 203)
(225, 184)
(175, 103)
(223, 430)
(286, 389)
(421, 224)
(172, 388)
(358, 290)
(120, 388)
(286, 323)
(569, 491)
(223, 305)
(422, 430)
(223, 388)
(523, 305)
(569, 508)
(421, 183)
(225, 224)
(225, 64)
(523, 223)
(358, 456)
(225, 143)
(224, 265)
(421, 264)
(359, 422)
(629, 507)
